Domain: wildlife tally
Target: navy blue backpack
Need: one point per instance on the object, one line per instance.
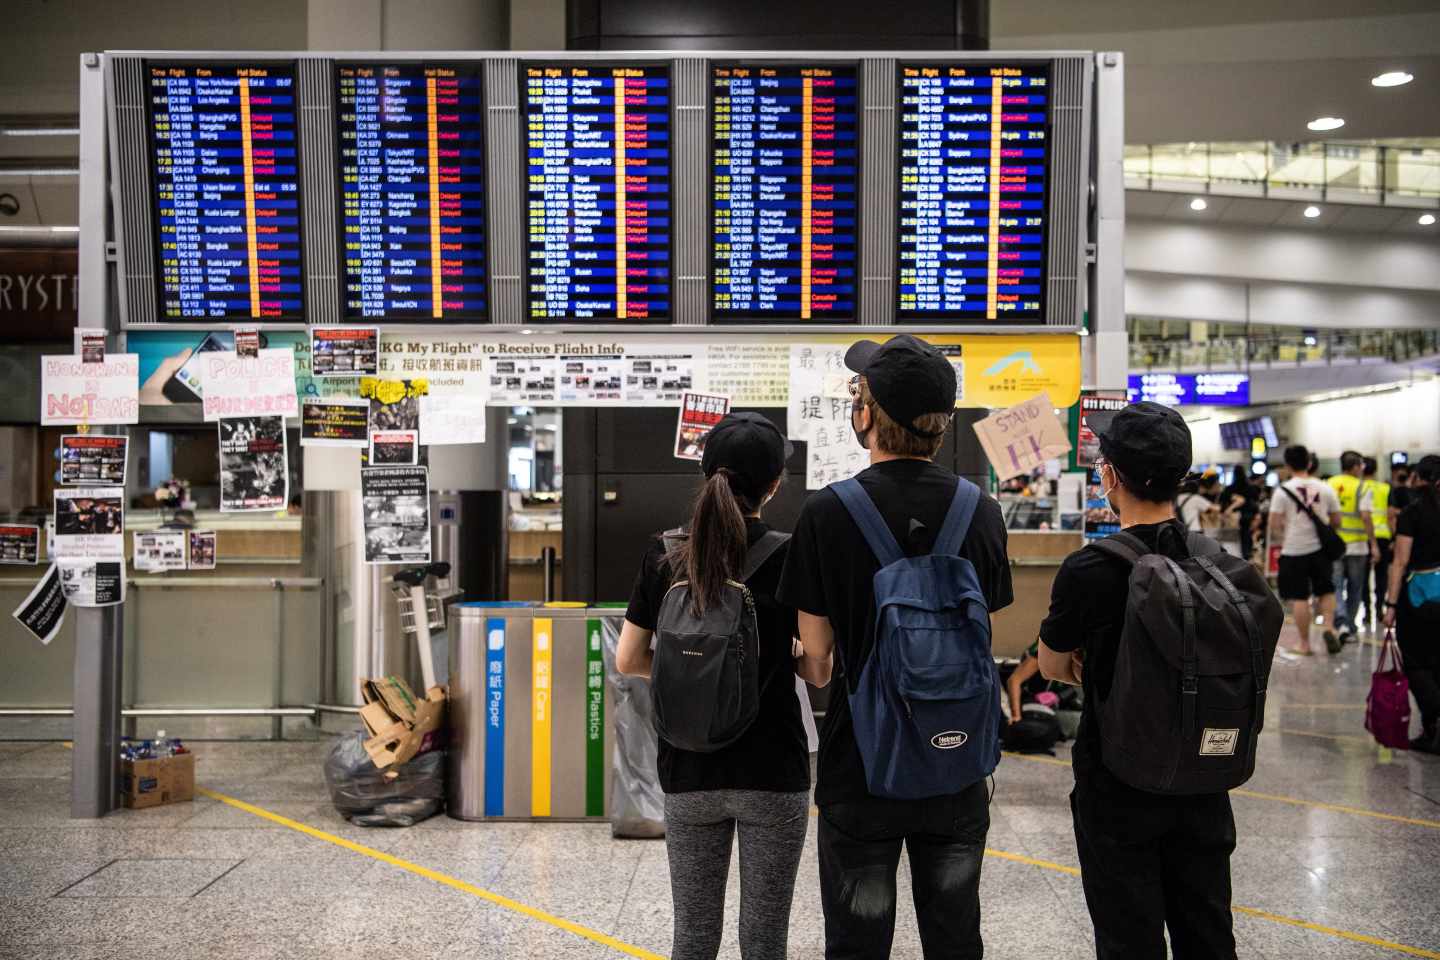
(926, 707)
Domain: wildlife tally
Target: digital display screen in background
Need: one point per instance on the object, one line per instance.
(974, 164)
(784, 166)
(1191, 389)
(412, 193)
(597, 160)
(226, 185)
(1240, 434)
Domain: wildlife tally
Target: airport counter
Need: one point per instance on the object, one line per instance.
(1035, 556)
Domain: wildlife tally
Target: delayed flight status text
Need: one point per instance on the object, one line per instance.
(784, 191)
(412, 193)
(598, 191)
(227, 196)
(973, 167)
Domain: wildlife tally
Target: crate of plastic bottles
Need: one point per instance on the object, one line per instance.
(156, 771)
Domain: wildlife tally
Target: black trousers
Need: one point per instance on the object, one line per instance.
(1148, 863)
(1416, 638)
(859, 847)
(1382, 574)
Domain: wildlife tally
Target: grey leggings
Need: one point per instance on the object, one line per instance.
(700, 829)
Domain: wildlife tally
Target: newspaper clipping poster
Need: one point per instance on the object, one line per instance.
(394, 447)
(247, 343)
(254, 472)
(19, 543)
(90, 344)
(699, 412)
(335, 423)
(92, 458)
(156, 551)
(202, 549)
(43, 610)
(93, 583)
(397, 514)
(344, 351)
(89, 523)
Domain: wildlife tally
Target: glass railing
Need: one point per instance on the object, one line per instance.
(1357, 172)
(1282, 349)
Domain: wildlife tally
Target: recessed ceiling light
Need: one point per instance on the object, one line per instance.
(1426, 219)
(1395, 78)
(1321, 124)
(1312, 211)
(1198, 204)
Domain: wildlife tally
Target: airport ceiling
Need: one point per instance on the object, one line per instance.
(1261, 212)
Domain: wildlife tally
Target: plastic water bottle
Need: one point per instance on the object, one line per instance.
(162, 745)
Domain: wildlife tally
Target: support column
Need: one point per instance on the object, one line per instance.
(1108, 353)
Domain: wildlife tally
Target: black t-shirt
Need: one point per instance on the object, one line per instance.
(831, 573)
(1400, 498)
(1421, 521)
(773, 754)
(1087, 612)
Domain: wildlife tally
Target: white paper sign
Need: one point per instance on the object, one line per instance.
(820, 418)
(236, 386)
(74, 392)
(1020, 439)
(159, 550)
(452, 419)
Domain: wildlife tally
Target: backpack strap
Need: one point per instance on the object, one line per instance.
(1189, 662)
(957, 519)
(760, 551)
(1125, 546)
(1252, 629)
(873, 526)
(1200, 545)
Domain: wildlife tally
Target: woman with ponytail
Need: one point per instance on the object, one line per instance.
(759, 785)
(1412, 598)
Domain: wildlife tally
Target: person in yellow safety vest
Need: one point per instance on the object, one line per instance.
(1357, 529)
(1384, 538)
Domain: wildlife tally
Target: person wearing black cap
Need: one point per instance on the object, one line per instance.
(758, 786)
(903, 400)
(1147, 861)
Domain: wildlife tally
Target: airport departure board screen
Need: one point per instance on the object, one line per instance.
(598, 191)
(225, 178)
(412, 191)
(783, 191)
(974, 165)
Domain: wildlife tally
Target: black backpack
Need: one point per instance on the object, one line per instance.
(1187, 701)
(705, 677)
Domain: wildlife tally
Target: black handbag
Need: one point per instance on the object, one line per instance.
(1330, 543)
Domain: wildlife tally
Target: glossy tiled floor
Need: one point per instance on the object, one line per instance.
(207, 880)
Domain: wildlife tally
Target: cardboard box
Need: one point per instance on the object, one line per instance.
(150, 783)
(401, 725)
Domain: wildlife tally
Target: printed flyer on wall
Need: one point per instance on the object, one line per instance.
(19, 543)
(92, 458)
(89, 523)
(396, 514)
(659, 377)
(202, 549)
(93, 583)
(344, 351)
(43, 609)
(394, 447)
(523, 380)
(335, 423)
(254, 472)
(156, 551)
(699, 412)
(588, 379)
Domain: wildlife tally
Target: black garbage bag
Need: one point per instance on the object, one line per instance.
(397, 796)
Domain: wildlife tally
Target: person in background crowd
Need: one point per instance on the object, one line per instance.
(1401, 494)
(1242, 498)
(1357, 529)
(902, 403)
(1197, 499)
(1304, 571)
(1417, 556)
(758, 786)
(1384, 538)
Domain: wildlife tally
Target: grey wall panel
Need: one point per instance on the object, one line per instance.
(1069, 188)
(505, 186)
(321, 237)
(690, 192)
(877, 191)
(130, 177)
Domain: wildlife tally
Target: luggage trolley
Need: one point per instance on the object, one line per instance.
(422, 615)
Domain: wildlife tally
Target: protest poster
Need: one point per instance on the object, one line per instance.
(89, 523)
(394, 447)
(156, 551)
(90, 344)
(254, 471)
(394, 405)
(344, 351)
(234, 386)
(92, 458)
(1087, 444)
(75, 392)
(92, 583)
(819, 413)
(247, 343)
(452, 419)
(19, 543)
(335, 423)
(396, 509)
(1019, 440)
(43, 609)
(699, 412)
(202, 550)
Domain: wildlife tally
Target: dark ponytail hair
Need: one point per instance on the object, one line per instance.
(714, 551)
(1428, 470)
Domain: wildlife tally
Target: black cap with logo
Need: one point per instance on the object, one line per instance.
(751, 448)
(907, 377)
(1149, 443)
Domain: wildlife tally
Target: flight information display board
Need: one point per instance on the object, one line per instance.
(226, 185)
(974, 164)
(411, 191)
(783, 191)
(597, 159)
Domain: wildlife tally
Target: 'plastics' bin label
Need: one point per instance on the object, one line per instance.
(594, 722)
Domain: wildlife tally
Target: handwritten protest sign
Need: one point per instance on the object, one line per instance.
(76, 392)
(1020, 439)
(452, 419)
(819, 414)
(236, 386)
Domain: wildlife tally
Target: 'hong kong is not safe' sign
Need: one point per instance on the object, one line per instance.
(74, 392)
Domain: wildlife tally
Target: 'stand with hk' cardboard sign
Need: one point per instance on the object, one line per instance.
(1020, 439)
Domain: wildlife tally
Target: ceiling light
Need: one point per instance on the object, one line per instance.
(1395, 78)
(1198, 204)
(1321, 124)
(1312, 211)
(1426, 219)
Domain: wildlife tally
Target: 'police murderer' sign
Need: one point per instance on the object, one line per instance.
(1020, 439)
(262, 386)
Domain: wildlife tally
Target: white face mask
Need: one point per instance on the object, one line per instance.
(1106, 491)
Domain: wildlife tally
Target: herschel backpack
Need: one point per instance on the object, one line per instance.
(705, 678)
(926, 707)
(1187, 701)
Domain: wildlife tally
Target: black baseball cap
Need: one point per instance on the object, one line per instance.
(907, 377)
(1147, 442)
(751, 448)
